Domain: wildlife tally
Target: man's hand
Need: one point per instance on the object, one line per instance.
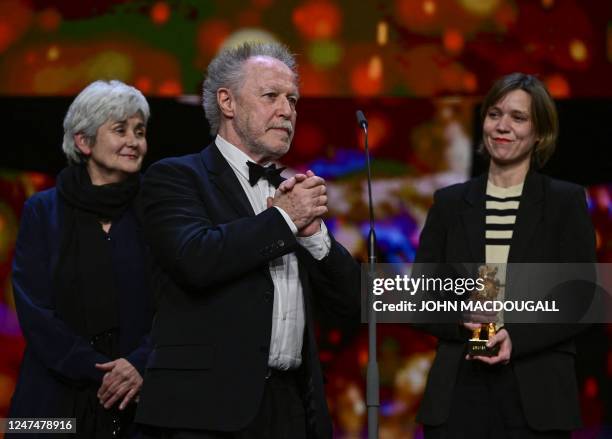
(287, 185)
(311, 229)
(304, 199)
(121, 380)
(502, 338)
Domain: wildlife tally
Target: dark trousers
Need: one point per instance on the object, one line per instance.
(486, 404)
(281, 415)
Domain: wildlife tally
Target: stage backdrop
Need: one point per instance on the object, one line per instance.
(418, 146)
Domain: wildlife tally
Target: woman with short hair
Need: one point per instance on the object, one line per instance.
(81, 272)
(510, 214)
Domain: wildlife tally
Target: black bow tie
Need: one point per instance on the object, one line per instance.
(270, 173)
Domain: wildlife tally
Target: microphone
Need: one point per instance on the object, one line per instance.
(361, 120)
(363, 123)
(372, 374)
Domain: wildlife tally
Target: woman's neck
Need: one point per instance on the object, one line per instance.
(508, 175)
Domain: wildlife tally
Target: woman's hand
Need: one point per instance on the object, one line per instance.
(502, 338)
(121, 380)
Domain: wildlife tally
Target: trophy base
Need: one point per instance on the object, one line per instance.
(479, 347)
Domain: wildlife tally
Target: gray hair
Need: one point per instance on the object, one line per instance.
(98, 103)
(226, 71)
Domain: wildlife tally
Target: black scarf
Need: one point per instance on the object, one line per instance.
(87, 298)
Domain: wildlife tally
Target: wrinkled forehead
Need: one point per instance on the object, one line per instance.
(261, 69)
(268, 63)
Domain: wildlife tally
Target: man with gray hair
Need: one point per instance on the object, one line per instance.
(246, 256)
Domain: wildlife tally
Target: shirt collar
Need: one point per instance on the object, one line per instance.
(234, 156)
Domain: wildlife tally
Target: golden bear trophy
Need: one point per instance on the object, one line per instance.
(476, 344)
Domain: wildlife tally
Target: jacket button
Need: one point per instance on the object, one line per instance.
(268, 295)
(280, 243)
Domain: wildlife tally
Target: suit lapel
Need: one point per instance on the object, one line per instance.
(473, 218)
(224, 178)
(528, 217)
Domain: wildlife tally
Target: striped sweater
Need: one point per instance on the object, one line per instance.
(502, 206)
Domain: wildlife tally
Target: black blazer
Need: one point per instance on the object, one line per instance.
(212, 330)
(55, 358)
(552, 225)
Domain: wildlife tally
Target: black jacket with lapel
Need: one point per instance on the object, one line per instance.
(552, 226)
(212, 330)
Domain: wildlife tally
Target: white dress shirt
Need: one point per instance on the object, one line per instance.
(288, 309)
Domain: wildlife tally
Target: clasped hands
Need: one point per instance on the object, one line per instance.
(121, 381)
(303, 197)
(473, 321)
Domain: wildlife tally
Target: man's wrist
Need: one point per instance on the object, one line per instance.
(288, 220)
(319, 244)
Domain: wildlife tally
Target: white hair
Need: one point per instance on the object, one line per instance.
(98, 103)
(226, 71)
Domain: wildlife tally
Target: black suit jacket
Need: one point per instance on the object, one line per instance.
(552, 225)
(56, 360)
(212, 331)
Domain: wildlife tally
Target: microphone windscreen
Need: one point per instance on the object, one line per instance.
(361, 120)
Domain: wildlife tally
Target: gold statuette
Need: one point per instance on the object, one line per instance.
(477, 345)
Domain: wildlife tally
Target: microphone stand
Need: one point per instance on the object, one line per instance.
(372, 375)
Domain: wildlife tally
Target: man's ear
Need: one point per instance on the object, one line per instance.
(82, 143)
(226, 101)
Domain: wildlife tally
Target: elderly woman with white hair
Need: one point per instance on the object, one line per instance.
(81, 272)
